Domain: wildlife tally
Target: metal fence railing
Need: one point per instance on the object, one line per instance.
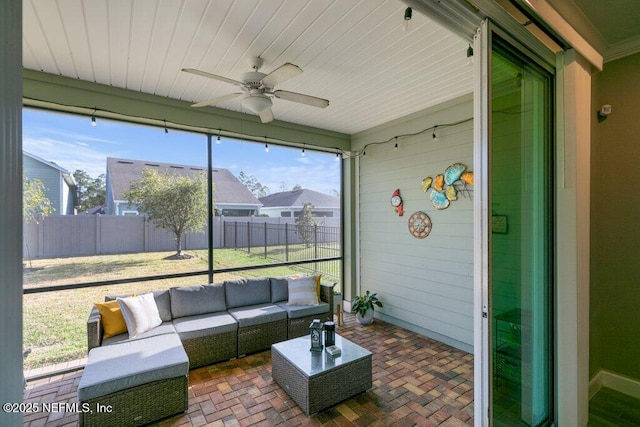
(288, 243)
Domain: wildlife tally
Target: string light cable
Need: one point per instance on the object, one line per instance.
(395, 138)
(163, 124)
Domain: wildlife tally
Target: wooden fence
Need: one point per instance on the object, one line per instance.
(85, 235)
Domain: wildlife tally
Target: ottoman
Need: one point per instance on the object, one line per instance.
(134, 382)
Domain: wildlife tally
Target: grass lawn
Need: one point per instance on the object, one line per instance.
(55, 322)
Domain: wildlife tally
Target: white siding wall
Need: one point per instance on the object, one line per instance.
(425, 284)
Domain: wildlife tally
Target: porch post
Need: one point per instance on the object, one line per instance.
(349, 229)
(11, 386)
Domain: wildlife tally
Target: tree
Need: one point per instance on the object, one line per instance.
(296, 187)
(35, 203)
(306, 224)
(252, 184)
(177, 203)
(91, 191)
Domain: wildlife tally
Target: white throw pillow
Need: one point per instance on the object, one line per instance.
(302, 290)
(140, 313)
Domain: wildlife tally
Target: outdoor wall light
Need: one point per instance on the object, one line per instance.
(604, 112)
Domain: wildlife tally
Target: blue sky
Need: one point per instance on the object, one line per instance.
(71, 142)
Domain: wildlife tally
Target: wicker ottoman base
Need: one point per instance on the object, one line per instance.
(317, 381)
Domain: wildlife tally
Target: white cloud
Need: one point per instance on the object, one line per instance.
(68, 155)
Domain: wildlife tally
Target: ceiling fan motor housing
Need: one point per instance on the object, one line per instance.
(253, 78)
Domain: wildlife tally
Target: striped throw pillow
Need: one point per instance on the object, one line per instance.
(302, 291)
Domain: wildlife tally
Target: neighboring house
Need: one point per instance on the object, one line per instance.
(231, 197)
(60, 186)
(289, 204)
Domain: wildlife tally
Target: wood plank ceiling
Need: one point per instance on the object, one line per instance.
(353, 53)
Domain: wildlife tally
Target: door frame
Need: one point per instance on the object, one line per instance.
(483, 378)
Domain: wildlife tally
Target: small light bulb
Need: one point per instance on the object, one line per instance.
(266, 148)
(93, 121)
(435, 138)
(302, 152)
(395, 147)
(218, 140)
(407, 18)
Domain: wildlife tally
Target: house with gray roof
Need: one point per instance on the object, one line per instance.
(59, 185)
(231, 197)
(288, 204)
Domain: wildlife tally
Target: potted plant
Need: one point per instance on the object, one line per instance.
(363, 306)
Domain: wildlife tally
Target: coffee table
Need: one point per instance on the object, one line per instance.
(317, 380)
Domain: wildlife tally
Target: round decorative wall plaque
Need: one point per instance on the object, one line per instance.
(419, 225)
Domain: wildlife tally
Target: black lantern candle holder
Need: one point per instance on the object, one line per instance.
(329, 333)
(315, 329)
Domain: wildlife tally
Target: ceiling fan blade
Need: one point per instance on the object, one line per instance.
(214, 101)
(212, 76)
(302, 99)
(266, 116)
(281, 75)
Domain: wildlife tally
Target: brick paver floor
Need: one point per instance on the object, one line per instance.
(416, 382)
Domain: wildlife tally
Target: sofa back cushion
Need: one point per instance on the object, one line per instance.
(194, 300)
(279, 289)
(244, 292)
(163, 301)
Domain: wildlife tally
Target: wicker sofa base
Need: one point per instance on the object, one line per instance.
(300, 327)
(139, 405)
(204, 351)
(260, 337)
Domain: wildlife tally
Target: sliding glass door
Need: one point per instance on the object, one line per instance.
(520, 237)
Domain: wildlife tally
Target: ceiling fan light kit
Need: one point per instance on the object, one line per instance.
(256, 103)
(257, 89)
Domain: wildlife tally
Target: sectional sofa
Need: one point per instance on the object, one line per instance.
(200, 325)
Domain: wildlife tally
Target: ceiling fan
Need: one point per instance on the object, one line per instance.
(257, 89)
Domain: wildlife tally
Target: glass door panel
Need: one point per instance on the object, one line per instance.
(521, 239)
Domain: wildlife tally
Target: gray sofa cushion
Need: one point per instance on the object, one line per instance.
(279, 289)
(163, 301)
(205, 325)
(257, 314)
(164, 328)
(162, 298)
(244, 292)
(194, 300)
(298, 311)
(132, 363)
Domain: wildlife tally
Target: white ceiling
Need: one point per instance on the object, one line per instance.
(353, 53)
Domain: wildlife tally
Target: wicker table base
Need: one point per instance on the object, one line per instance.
(316, 380)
